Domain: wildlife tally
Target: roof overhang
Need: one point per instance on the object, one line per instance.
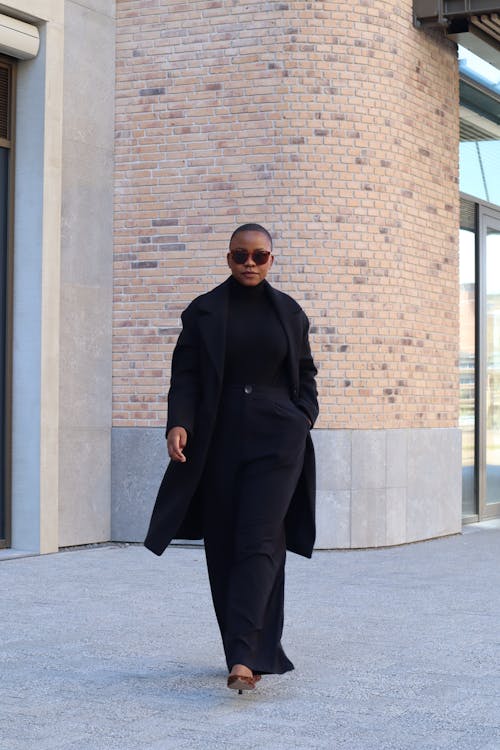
(475, 127)
(475, 24)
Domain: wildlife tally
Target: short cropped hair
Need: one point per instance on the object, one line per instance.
(252, 228)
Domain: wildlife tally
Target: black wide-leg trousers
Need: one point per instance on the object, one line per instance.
(254, 464)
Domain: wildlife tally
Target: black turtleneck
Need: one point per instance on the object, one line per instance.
(256, 345)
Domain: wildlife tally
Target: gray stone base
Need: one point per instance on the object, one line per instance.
(374, 487)
(138, 461)
(382, 487)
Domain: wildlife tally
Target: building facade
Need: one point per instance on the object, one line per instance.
(57, 377)
(162, 126)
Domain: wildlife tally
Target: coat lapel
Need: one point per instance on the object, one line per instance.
(288, 315)
(213, 319)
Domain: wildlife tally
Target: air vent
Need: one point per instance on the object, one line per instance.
(467, 215)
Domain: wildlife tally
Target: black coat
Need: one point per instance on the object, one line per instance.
(195, 388)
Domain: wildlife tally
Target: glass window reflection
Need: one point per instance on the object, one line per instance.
(467, 361)
(493, 366)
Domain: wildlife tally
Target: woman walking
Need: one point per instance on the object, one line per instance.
(242, 400)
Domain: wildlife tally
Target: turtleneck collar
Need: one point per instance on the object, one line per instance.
(238, 291)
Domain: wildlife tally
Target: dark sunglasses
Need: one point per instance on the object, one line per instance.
(259, 257)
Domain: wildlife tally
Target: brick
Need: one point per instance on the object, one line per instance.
(341, 135)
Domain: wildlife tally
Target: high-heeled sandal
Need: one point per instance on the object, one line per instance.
(241, 682)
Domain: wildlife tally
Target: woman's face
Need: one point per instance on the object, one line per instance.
(249, 273)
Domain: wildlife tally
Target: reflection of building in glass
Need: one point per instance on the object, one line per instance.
(493, 389)
(467, 351)
(479, 222)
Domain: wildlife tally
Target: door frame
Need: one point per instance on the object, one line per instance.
(486, 216)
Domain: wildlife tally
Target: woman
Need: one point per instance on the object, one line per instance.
(241, 403)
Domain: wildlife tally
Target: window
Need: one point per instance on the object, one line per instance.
(7, 77)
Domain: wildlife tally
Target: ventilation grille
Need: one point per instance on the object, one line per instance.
(4, 102)
(467, 215)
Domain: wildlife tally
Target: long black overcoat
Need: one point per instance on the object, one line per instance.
(195, 388)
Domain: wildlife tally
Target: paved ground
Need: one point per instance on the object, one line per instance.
(114, 648)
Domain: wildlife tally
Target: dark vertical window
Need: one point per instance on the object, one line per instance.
(4, 180)
(6, 155)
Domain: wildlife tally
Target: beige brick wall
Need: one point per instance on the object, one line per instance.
(334, 124)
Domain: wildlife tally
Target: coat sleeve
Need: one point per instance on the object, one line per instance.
(308, 393)
(184, 392)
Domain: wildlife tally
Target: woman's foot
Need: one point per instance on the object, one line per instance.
(241, 671)
(242, 678)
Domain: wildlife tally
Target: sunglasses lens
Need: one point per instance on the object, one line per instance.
(261, 257)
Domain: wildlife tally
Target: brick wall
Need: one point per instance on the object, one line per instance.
(337, 128)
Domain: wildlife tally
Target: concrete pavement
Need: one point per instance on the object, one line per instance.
(111, 647)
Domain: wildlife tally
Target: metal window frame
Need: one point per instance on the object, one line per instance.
(487, 216)
(474, 517)
(11, 64)
(482, 212)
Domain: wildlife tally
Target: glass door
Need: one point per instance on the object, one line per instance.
(489, 484)
(480, 359)
(467, 358)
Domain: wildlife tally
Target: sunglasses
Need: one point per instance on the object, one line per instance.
(259, 257)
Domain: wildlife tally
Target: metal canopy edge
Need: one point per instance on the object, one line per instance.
(441, 12)
(475, 24)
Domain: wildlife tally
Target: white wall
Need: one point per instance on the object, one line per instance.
(86, 273)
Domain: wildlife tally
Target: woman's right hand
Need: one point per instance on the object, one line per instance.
(176, 442)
